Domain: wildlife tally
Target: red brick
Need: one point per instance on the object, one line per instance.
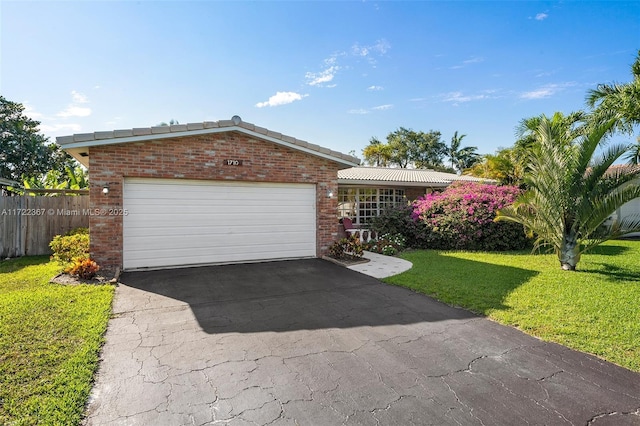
(201, 157)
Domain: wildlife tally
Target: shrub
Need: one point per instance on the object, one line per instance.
(83, 267)
(387, 244)
(346, 247)
(462, 217)
(78, 231)
(399, 221)
(66, 248)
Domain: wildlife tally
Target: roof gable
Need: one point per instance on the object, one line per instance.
(78, 145)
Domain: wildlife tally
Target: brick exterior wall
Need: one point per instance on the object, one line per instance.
(202, 157)
(413, 193)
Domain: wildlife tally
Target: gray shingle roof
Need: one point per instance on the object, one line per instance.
(410, 176)
(72, 143)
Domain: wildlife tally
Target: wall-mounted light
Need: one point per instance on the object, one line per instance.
(105, 190)
(330, 194)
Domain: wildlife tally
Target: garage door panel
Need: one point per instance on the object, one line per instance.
(273, 214)
(262, 250)
(246, 232)
(165, 257)
(222, 222)
(228, 240)
(182, 222)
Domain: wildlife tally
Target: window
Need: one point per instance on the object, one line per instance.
(363, 204)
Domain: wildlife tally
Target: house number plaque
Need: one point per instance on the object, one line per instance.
(233, 162)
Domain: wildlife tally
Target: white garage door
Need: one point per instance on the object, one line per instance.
(185, 222)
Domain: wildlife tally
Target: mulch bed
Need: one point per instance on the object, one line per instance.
(106, 276)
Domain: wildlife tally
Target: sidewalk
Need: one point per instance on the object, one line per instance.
(381, 266)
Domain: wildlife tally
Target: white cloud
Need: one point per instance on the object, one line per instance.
(473, 61)
(467, 62)
(317, 78)
(380, 47)
(281, 98)
(325, 76)
(363, 111)
(382, 107)
(546, 91)
(30, 112)
(457, 98)
(541, 16)
(74, 109)
(375, 88)
(60, 128)
(78, 97)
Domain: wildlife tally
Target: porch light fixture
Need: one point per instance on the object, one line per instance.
(329, 194)
(105, 190)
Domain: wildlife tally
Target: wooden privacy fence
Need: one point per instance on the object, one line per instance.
(28, 224)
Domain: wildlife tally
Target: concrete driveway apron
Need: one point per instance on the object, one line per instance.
(309, 342)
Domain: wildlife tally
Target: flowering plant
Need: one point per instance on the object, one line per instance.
(387, 244)
(462, 217)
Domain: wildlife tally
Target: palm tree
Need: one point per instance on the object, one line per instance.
(620, 102)
(633, 156)
(572, 194)
(461, 158)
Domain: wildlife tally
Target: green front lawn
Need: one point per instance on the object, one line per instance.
(50, 337)
(595, 310)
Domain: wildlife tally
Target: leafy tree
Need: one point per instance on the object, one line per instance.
(570, 193)
(74, 179)
(505, 166)
(407, 147)
(377, 153)
(23, 151)
(461, 158)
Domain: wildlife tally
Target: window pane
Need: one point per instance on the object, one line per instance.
(346, 202)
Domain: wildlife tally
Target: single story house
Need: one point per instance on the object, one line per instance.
(202, 193)
(227, 191)
(365, 192)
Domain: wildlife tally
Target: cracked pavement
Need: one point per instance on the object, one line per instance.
(308, 342)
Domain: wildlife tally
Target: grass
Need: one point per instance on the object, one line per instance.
(50, 337)
(594, 310)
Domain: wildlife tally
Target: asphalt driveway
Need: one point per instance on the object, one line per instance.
(312, 343)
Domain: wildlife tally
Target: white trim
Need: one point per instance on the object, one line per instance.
(184, 222)
(392, 183)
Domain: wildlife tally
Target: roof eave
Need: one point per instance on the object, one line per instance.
(74, 148)
(369, 182)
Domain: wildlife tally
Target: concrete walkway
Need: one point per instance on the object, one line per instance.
(310, 342)
(380, 266)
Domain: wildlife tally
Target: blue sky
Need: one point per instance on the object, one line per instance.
(332, 73)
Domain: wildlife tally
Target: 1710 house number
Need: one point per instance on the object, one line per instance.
(233, 162)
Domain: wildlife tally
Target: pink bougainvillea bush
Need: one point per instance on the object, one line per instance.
(462, 217)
